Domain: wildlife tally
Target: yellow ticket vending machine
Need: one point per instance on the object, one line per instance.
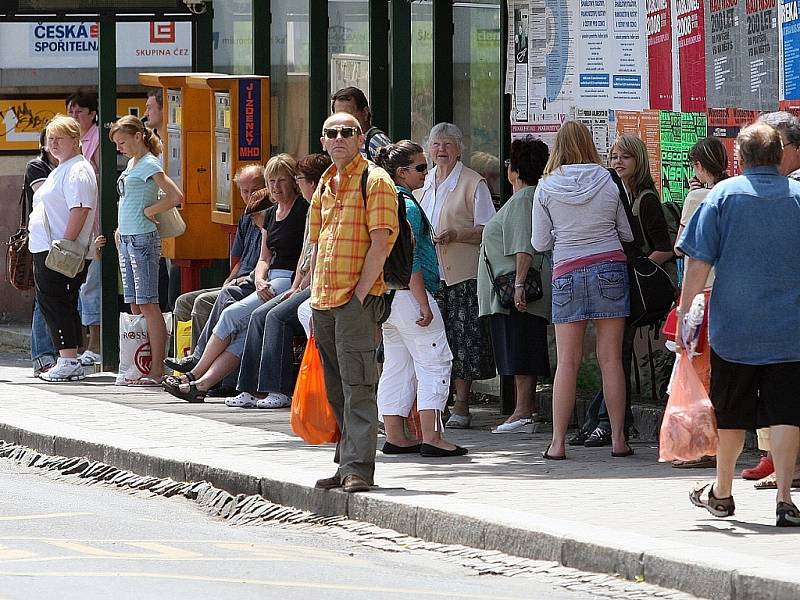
(240, 125)
(187, 160)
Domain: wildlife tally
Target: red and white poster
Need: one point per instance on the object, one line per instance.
(659, 53)
(690, 30)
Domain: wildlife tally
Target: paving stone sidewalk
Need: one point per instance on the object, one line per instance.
(631, 516)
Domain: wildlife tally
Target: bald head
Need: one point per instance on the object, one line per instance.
(759, 145)
(342, 138)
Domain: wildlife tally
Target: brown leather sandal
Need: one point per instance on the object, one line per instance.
(719, 507)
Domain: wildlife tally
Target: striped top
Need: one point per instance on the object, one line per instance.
(137, 190)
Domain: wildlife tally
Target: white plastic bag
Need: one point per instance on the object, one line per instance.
(135, 357)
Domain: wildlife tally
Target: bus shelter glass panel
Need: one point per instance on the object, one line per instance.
(421, 70)
(289, 77)
(348, 45)
(233, 37)
(477, 83)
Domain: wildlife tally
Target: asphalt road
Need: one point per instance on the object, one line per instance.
(62, 541)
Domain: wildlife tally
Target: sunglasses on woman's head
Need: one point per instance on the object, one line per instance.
(346, 132)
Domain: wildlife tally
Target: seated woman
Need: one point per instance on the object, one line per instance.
(266, 375)
(281, 242)
(417, 357)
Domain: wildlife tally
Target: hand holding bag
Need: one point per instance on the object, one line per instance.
(65, 256)
(312, 417)
(19, 260)
(504, 284)
(689, 428)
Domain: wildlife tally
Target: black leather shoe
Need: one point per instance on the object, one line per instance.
(599, 437)
(181, 365)
(389, 448)
(578, 438)
(429, 450)
(354, 483)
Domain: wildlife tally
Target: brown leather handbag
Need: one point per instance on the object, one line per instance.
(19, 260)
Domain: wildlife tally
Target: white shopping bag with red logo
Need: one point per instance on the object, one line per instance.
(135, 358)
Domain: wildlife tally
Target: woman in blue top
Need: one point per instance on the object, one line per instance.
(137, 237)
(417, 357)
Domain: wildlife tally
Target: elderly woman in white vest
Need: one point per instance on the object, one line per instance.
(458, 204)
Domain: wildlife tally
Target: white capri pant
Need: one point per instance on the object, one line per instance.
(417, 360)
(304, 316)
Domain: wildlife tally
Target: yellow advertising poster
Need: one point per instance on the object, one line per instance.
(21, 119)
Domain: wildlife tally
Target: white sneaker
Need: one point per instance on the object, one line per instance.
(66, 369)
(274, 400)
(243, 400)
(518, 426)
(90, 358)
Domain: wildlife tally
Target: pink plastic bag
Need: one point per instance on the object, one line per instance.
(689, 428)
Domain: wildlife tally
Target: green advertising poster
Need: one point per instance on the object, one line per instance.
(679, 132)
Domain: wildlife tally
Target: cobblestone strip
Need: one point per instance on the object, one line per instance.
(243, 509)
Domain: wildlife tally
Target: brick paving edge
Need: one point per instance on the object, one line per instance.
(675, 571)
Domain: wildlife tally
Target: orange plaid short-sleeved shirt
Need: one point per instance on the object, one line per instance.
(340, 226)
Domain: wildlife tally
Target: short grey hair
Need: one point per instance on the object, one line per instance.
(759, 145)
(446, 130)
(786, 123)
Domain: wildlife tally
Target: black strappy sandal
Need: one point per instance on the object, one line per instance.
(172, 383)
(192, 395)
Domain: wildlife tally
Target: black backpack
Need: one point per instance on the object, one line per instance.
(398, 266)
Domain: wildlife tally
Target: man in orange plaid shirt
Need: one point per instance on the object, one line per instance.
(352, 239)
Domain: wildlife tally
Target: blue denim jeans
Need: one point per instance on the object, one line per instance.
(89, 297)
(138, 261)
(267, 358)
(41, 342)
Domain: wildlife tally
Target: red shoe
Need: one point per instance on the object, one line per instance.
(761, 470)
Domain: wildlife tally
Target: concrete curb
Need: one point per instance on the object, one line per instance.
(673, 567)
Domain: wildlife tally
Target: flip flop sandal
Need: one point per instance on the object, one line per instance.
(719, 507)
(770, 483)
(243, 400)
(143, 382)
(191, 395)
(704, 462)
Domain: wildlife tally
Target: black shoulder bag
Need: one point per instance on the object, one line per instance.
(504, 285)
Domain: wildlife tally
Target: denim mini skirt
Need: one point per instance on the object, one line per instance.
(598, 291)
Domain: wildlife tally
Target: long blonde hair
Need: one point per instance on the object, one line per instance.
(641, 178)
(133, 125)
(574, 146)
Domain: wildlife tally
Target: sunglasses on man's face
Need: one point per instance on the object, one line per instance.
(346, 132)
(420, 168)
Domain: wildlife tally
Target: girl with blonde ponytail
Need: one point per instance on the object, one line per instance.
(136, 236)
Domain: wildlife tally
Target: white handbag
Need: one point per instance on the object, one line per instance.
(67, 257)
(170, 223)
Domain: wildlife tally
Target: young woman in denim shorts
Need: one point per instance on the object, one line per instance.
(136, 236)
(578, 214)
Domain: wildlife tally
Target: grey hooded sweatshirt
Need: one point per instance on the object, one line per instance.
(577, 212)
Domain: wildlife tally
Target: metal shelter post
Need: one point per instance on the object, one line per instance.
(379, 63)
(262, 37)
(107, 92)
(318, 94)
(400, 99)
(443, 29)
(203, 41)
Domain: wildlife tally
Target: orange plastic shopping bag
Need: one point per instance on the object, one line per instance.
(689, 428)
(312, 416)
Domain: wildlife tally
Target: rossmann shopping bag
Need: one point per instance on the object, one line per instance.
(689, 428)
(312, 417)
(135, 358)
